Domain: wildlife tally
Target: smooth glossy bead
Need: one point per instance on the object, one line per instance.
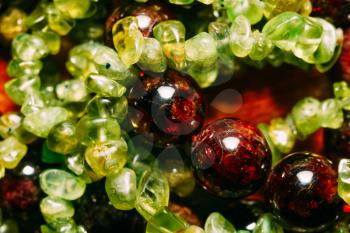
(72, 91)
(73, 8)
(181, 2)
(216, 223)
(152, 57)
(344, 180)
(275, 7)
(53, 208)
(18, 68)
(100, 106)
(11, 152)
(251, 9)
(282, 135)
(29, 47)
(231, 158)
(241, 40)
(331, 114)
(33, 102)
(57, 21)
(328, 44)
(262, 47)
(194, 229)
(59, 183)
(62, 138)
(104, 86)
(302, 192)
(51, 39)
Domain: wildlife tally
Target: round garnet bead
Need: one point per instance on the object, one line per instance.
(302, 192)
(231, 158)
(165, 107)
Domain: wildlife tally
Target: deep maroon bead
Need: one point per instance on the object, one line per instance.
(165, 108)
(149, 14)
(231, 158)
(302, 192)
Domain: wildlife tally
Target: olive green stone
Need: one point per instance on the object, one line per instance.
(28, 47)
(59, 183)
(128, 40)
(331, 114)
(216, 223)
(91, 130)
(53, 208)
(241, 40)
(64, 226)
(328, 42)
(152, 194)
(11, 152)
(41, 122)
(275, 7)
(282, 135)
(167, 222)
(76, 162)
(58, 22)
(51, 39)
(344, 180)
(104, 86)
(152, 57)
(121, 189)
(105, 107)
(73, 8)
(9, 122)
(80, 62)
(72, 91)
(9, 226)
(33, 102)
(251, 9)
(18, 68)
(262, 46)
(62, 138)
(267, 224)
(207, 2)
(18, 88)
(194, 229)
(181, 2)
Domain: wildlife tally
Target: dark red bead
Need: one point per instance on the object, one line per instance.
(150, 14)
(165, 108)
(231, 158)
(302, 192)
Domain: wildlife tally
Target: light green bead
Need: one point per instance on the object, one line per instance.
(194, 229)
(275, 7)
(104, 86)
(11, 152)
(121, 189)
(216, 223)
(342, 93)
(74, 9)
(107, 157)
(76, 162)
(282, 135)
(91, 130)
(171, 34)
(251, 9)
(165, 221)
(262, 46)
(331, 114)
(128, 40)
(152, 57)
(305, 115)
(53, 208)
(72, 91)
(63, 226)
(241, 40)
(284, 30)
(152, 194)
(51, 39)
(181, 2)
(62, 138)
(100, 106)
(59, 183)
(57, 21)
(37, 18)
(266, 224)
(18, 68)
(32, 103)
(29, 47)
(41, 122)
(344, 180)
(201, 57)
(18, 88)
(206, 2)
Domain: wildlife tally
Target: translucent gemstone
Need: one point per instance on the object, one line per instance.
(41, 122)
(121, 189)
(63, 225)
(62, 138)
(152, 57)
(18, 88)
(171, 34)
(262, 46)
(194, 229)
(305, 115)
(29, 47)
(128, 40)
(37, 18)
(344, 180)
(282, 135)
(251, 9)
(76, 162)
(11, 152)
(275, 7)
(53, 208)
(104, 86)
(57, 21)
(152, 194)
(59, 183)
(18, 68)
(331, 114)
(32, 103)
(107, 157)
(72, 91)
(267, 224)
(201, 57)
(284, 30)
(73, 8)
(216, 223)
(91, 130)
(105, 107)
(12, 23)
(342, 92)
(166, 221)
(51, 39)
(241, 40)
(181, 2)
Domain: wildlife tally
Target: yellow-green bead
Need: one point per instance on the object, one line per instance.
(104, 86)
(29, 47)
(53, 208)
(152, 57)
(58, 22)
(194, 229)
(75, 9)
(18, 68)
(251, 9)
(282, 135)
(167, 222)
(18, 88)
(32, 103)
(11, 152)
(275, 7)
(267, 224)
(344, 180)
(241, 40)
(62, 138)
(72, 91)
(12, 23)
(100, 106)
(52, 40)
(216, 223)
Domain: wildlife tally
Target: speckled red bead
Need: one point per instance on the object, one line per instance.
(302, 192)
(231, 158)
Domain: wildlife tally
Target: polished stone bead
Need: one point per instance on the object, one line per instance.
(194, 229)
(166, 221)
(181, 2)
(72, 91)
(18, 68)
(302, 192)
(108, 157)
(18, 88)
(104, 86)
(61, 184)
(230, 158)
(54, 208)
(331, 114)
(108, 107)
(171, 34)
(343, 180)
(216, 223)
(251, 9)
(41, 122)
(73, 8)
(12, 23)
(92, 130)
(262, 46)
(11, 152)
(29, 47)
(267, 224)
(57, 21)
(76, 162)
(152, 57)
(152, 194)
(275, 7)
(282, 135)
(62, 138)
(241, 40)
(121, 189)
(51, 39)
(128, 40)
(33, 102)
